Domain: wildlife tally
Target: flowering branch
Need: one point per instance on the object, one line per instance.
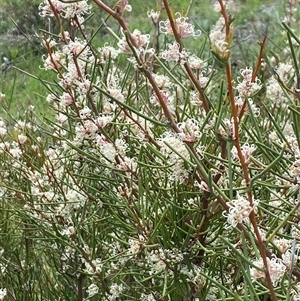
(242, 159)
(254, 74)
(147, 73)
(186, 65)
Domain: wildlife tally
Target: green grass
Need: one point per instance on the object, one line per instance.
(20, 89)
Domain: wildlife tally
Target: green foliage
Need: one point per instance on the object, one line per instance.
(164, 164)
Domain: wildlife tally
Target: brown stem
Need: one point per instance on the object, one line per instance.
(80, 289)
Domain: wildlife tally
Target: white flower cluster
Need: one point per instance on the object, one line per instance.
(190, 130)
(246, 88)
(183, 28)
(174, 54)
(154, 15)
(228, 4)
(14, 148)
(92, 290)
(239, 210)
(218, 41)
(140, 41)
(196, 63)
(247, 151)
(295, 291)
(3, 129)
(107, 52)
(65, 9)
(149, 297)
(115, 291)
(52, 202)
(284, 72)
(173, 148)
(276, 269)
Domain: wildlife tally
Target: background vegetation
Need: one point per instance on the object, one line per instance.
(20, 47)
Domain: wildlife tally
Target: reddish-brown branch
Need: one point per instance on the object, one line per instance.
(225, 16)
(247, 179)
(259, 60)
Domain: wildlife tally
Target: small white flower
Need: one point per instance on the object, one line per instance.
(3, 129)
(3, 293)
(247, 151)
(2, 97)
(115, 291)
(22, 138)
(92, 290)
(140, 41)
(108, 52)
(154, 15)
(68, 231)
(195, 62)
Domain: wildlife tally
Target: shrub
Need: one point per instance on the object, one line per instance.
(165, 176)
